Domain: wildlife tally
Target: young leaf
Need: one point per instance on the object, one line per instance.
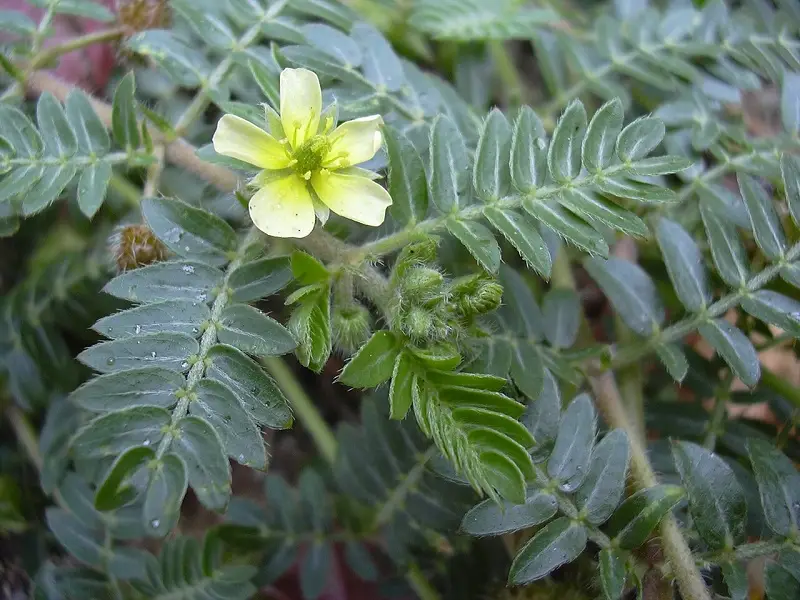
(310, 324)
(314, 569)
(167, 350)
(564, 155)
(248, 329)
(734, 347)
(674, 360)
(601, 491)
(373, 363)
(216, 403)
(479, 241)
(569, 462)
(557, 544)
(92, 187)
(640, 138)
(171, 316)
(449, 164)
(190, 231)
(542, 417)
(574, 231)
(407, 184)
(612, 573)
(561, 312)
(90, 131)
(598, 144)
(528, 152)
(124, 124)
(641, 513)
(595, 209)
(111, 495)
(489, 518)
(726, 246)
(775, 309)
(259, 278)
(766, 225)
(113, 433)
(778, 486)
(400, 390)
(208, 470)
(790, 173)
(521, 232)
(150, 386)
(648, 193)
(165, 491)
(83, 543)
(716, 499)
(381, 66)
(684, 265)
(779, 583)
(630, 290)
(735, 577)
(57, 135)
(790, 102)
(255, 390)
(185, 280)
(527, 369)
(491, 174)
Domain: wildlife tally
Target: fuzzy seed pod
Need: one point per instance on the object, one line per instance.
(134, 246)
(139, 15)
(352, 327)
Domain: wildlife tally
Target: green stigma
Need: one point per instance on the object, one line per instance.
(310, 155)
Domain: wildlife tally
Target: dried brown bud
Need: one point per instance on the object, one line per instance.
(139, 15)
(134, 246)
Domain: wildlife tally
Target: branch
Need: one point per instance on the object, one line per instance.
(675, 547)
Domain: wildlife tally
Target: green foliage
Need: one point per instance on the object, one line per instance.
(578, 193)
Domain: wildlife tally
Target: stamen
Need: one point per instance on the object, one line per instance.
(307, 175)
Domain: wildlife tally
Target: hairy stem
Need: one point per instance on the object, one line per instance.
(304, 407)
(715, 425)
(25, 434)
(675, 546)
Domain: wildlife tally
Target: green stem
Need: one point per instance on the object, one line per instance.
(715, 425)
(25, 434)
(304, 407)
(513, 87)
(420, 584)
(675, 547)
(781, 386)
(96, 37)
(129, 192)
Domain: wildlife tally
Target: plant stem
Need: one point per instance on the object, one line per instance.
(420, 584)
(26, 435)
(676, 550)
(781, 386)
(721, 397)
(513, 87)
(304, 407)
(76, 43)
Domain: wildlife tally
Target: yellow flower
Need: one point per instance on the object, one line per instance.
(310, 170)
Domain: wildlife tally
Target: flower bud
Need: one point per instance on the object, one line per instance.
(420, 284)
(134, 246)
(423, 325)
(476, 295)
(352, 327)
(415, 254)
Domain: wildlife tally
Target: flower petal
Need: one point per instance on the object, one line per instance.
(283, 208)
(353, 197)
(238, 138)
(354, 142)
(301, 105)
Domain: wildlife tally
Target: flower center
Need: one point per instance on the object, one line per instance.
(310, 155)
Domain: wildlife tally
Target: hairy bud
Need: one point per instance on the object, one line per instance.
(352, 327)
(134, 246)
(413, 255)
(422, 324)
(421, 283)
(476, 295)
(139, 15)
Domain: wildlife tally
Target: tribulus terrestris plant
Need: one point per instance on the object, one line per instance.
(400, 298)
